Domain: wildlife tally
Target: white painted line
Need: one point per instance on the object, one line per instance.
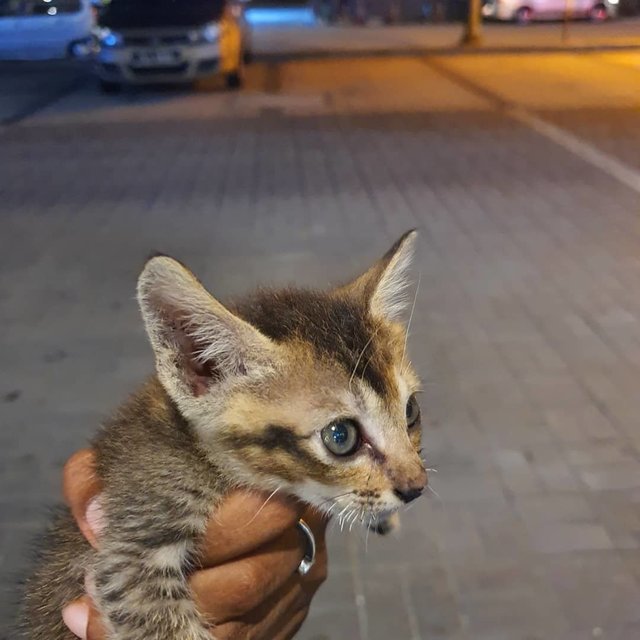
(409, 608)
(358, 589)
(613, 167)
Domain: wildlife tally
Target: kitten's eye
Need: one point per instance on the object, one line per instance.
(341, 437)
(412, 411)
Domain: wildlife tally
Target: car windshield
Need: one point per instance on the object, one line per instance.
(122, 14)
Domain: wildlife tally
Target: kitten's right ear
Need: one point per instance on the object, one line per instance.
(383, 286)
(196, 340)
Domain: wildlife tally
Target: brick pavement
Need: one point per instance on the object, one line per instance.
(26, 87)
(526, 330)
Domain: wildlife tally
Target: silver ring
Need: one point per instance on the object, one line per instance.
(310, 548)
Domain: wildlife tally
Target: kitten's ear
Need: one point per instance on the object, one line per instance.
(384, 285)
(196, 340)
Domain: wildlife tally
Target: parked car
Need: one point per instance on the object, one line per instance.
(362, 11)
(163, 41)
(43, 29)
(525, 11)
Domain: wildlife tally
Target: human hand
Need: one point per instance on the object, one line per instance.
(248, 587)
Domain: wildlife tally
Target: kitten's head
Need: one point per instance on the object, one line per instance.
(311, 392)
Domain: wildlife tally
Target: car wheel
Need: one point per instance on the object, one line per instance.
(598, 13)
(524, 15)
(110, 87)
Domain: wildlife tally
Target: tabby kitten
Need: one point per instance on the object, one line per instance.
(310, 393)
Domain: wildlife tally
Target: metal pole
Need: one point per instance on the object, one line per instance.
(473, 30)
(568, 8)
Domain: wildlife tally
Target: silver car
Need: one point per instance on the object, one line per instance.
(166, 41)
(525, 11)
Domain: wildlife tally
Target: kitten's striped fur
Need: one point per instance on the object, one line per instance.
(239, 398)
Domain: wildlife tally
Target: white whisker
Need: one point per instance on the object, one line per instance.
(373, 522)
(264, 504)
(340, 514)
(413, 308)
(373, 335)
(435, 493)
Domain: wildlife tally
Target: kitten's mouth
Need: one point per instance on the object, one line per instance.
(385, 524)
(382, 527)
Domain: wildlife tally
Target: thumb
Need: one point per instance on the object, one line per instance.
(82, 619)
(81, 488)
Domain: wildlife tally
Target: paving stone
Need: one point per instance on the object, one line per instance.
(569, 537)
(618, 476)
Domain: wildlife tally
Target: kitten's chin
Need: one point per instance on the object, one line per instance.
(385, 523)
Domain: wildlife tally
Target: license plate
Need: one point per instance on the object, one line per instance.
(155, 58)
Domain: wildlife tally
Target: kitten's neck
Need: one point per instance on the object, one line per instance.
(149, 415)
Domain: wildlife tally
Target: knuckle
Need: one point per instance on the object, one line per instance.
(247, 578)
(250, 585)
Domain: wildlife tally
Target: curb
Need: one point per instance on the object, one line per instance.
(322, 54)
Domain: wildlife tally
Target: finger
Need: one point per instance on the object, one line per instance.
(277, 621)
(82, 619)
(292, 627)
(263, 621)
(81, 485)
(245, 521)
(76, 618)
(95, 629)
(232, 589)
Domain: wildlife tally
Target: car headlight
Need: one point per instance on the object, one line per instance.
(205, 35)
(110, 39)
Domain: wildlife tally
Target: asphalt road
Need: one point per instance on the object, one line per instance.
(523, 175)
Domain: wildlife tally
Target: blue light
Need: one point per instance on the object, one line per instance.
(299, 16)
(110, 40)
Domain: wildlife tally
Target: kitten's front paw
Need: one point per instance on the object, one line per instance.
(385, 525)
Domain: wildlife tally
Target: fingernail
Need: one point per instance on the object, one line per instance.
(76, 617)
(95, 516)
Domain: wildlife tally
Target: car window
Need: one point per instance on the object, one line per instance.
(38, 7)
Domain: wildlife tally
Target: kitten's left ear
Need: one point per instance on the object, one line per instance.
(197, 341)
(384, 285)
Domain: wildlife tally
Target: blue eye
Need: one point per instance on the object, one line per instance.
(341, 437)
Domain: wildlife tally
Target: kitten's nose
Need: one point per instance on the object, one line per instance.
(407, 495)
(410, 488)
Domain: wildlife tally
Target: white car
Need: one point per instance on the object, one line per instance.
(43, 29)
(164, 41)
(525, 11)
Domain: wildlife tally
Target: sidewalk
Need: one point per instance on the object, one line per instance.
(296, 34)
(28, 86)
